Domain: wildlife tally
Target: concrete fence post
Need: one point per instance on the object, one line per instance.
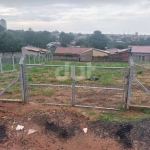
(13, 61)
(45, 58)
(1, 66)
(130, 82)
(34, 59)
(41, 58)
(124, 87)
(22, 79)
(73, 86)
(29, 58)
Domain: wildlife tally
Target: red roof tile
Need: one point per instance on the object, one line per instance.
(140, 49)
(72, 50)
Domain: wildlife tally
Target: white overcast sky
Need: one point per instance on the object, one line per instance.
(85, 16)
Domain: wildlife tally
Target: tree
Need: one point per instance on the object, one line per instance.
(114, 44)
(65, 38)
(14, 40)
(79, 34)
(147, 41)
(2, 29)
(30, 29)
(98, 40)
(11, 41)
(82, 42)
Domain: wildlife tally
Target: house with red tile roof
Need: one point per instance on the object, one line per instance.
(78, 53)
(140, 49)
(72, 50)
(35, 51)
(113, 55)
(140, 53)
(89, 54)
(71, 53)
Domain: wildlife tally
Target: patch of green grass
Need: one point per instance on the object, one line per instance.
(140, 72)
(120, 116)
(107, 79)
(139, 117)
(61, 73)
(120, 106)
(15, 91)
(7, 66)
(67, 81)
(12, 76)
(41, 74)
(111, 116)
(29, 78)
(146, 111)
(106, 64)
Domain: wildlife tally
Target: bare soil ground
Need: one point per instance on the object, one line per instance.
(59, 128)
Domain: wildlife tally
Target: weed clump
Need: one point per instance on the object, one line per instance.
(140, 72)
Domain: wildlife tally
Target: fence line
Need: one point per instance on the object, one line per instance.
(11, 84)
(5, 67)
(73, 85)
(140, 60)
(31, 59)
(11, 64)
(28, 62)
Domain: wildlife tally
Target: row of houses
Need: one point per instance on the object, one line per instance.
(88, 54)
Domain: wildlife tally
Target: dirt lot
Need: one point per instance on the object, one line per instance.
(59, 128)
